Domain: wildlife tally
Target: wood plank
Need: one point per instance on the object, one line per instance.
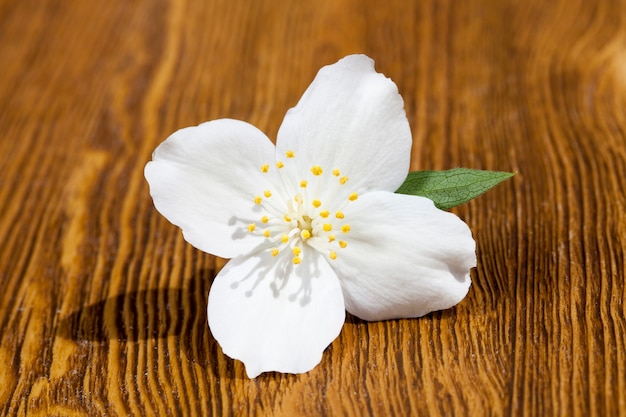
(102, 302)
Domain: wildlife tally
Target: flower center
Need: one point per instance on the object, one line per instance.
(312, 216)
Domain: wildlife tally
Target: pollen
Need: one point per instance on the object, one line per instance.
(353, 196)
(339, 215)
(284, 238)
(296, 260)
(331, 238)
(280, 164)
(324, 213)
(265, 219)
(303, 183)
(274, 252)
(257, 199)
(251, 227)
(345, 228)
(267, 193)
(327, 227)
(332, 255)
(266, 233)
(316, 170)
(336, 172)
(305, 234)
(343, 180)
(290, 154)
(343, 243)
(265, 167)
(296, 251)
(316, 203)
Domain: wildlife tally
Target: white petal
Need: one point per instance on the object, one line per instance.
(273, 315)
(405, 258)
(350, 118)
(204, 179)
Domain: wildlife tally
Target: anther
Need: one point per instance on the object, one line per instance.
(324, 213)
(316, 170)
(339, 215)
(274, 252)
(296, 260)
(296, 251)
(251, 227)
(290, 154)
(327, 227)
(284, 238)
(266, 233)
(331, 238)
(287, 218)
(305, 234)
(343, 180)
(265, 219)
(303, 183)
(343, 243)
(345, 228)
(257, 199)
(265, 167)
(333, 255)
(279, 164)
(336, 172)
(316, 203)
(267, 193)
(353, 196)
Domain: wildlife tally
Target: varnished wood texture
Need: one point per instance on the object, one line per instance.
(102, 302)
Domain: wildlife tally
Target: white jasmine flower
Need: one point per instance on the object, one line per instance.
(312, 225)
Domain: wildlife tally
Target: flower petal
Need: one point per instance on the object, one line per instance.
(404, 257)
(204, 179)
(350, 118)
(273, 315)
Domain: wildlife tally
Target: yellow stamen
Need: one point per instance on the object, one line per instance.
(287, 218)
(339, 215)
(333, 255)
(296, 260)
(343, 243)
(290, 154)
(345, 228)
(266, 233)
(274, 252)
(353, 196)
(316, 170)
(279, 164)
(296, 251)
(267, 193)
(265, 219)
(331, 238)
(327, 227)
(284, 238)
(257, 199)
(343, 180)
(251, 227)
(324, 213)
(265, 167)
(305, 234)
(316, 203)
(303, 183)
(336, 172)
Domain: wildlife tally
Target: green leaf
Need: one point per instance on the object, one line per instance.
(453, 187)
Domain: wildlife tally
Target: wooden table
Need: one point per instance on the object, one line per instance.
(103, 304)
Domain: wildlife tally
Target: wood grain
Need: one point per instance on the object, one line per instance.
(102, 302)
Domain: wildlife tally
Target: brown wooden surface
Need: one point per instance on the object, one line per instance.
(102, 302)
